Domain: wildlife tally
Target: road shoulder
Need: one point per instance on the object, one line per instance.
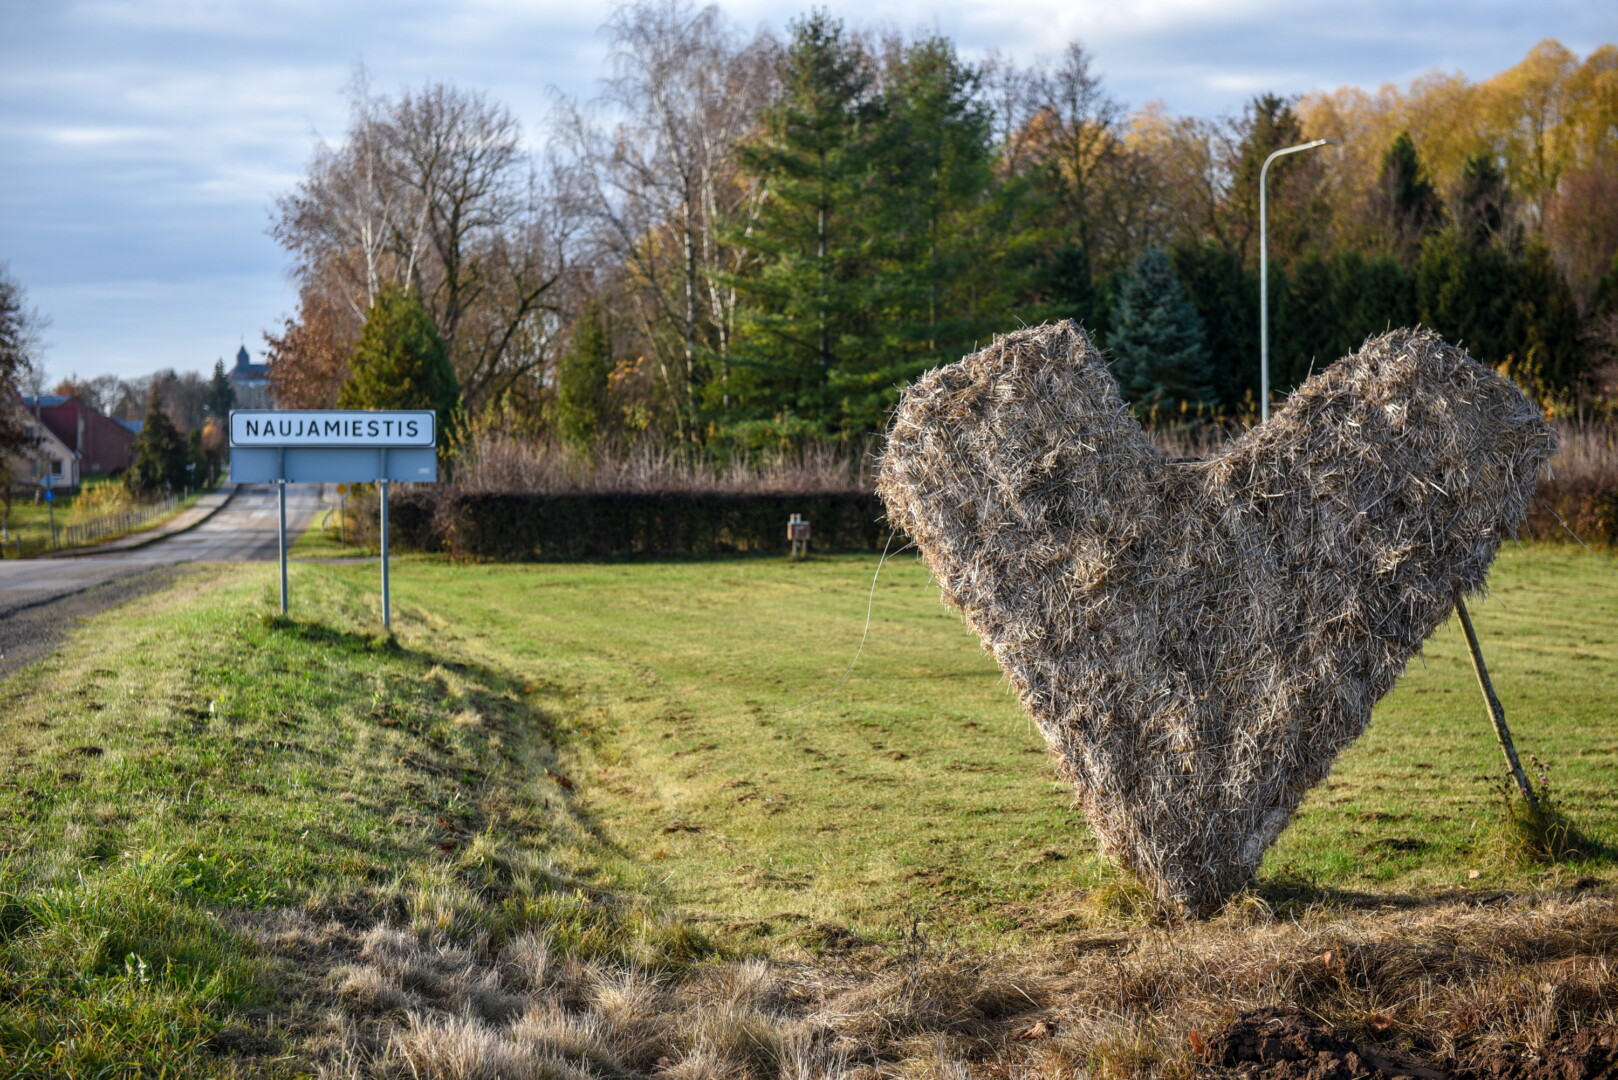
(32, 630)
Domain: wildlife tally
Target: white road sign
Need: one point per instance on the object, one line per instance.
(334, 428)
(333, 446)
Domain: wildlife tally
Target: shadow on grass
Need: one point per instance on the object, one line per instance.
(1119, 898)
(493, 693)
(1291, 894)
(318, 633)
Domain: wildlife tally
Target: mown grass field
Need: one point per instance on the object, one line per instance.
(206, 809)
(719, 747)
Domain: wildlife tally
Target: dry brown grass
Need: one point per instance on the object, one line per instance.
(500, 463)
(1579, 490)
(1455, 984)
(1198, 640)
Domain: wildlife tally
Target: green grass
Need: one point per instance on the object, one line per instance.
(919, 786)
(322, 540)
(639, 760)
(30, 521)
(191, 758)
(915, 787)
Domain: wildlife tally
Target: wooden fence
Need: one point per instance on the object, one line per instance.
(89, 532)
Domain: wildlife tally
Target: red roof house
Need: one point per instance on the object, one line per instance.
(103, 445)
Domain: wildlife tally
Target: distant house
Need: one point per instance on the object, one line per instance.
(51, 458)
(100, 444)
(251, 382)
(104, 445)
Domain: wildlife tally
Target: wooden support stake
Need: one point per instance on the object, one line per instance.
(1496, 713)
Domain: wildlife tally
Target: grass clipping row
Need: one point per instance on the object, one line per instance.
(1198, 640)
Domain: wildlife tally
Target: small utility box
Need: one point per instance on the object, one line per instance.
(798, 533)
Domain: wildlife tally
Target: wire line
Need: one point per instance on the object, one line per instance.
(870, 604)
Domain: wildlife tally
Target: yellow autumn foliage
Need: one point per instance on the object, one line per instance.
(99, 500)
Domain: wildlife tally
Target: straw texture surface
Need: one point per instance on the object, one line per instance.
(1198, 641)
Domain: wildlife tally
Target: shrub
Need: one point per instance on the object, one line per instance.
(614, 525)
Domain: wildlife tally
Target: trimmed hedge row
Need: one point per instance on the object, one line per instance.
(521, 527)
(524, 527)
(1586, 505)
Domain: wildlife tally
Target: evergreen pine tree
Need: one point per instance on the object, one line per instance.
(1064, 287)
(401, 363)
(221, 395)
(1464, 290)
(1329, 306)
(1604, 301)
(17, 438)
(1157, 337)
(1483, 200)
(1376, 295)
(1599, 332)
(1306, 325)
(1410, 203)
(1225, 295)
(1508, 304)
(934, 231)
(581, 379)
(1298, 205)
(159, 456)
(196, 461)
(1543, 324)
(810, 305)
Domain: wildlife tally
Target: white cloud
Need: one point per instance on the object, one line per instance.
(144, 140)
(103, 137)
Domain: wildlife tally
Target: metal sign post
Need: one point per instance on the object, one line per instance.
(50, 505)
(387, 599)
(281, 500)
(334, 446)
(281, 517)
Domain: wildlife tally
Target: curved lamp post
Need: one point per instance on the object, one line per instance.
(1496, 713)
(1264, 277)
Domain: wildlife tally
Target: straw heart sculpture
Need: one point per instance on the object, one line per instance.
(1197, 641)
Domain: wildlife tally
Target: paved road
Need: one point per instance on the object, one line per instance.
(244, 531)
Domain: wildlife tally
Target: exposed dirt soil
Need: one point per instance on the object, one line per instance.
(1284, 1044)
(1589, 1055)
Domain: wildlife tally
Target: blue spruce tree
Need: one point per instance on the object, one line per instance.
(1156, 337)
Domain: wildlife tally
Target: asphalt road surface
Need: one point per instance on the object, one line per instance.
(39, 597)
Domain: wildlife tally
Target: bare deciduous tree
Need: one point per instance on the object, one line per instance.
(99, 392)
(22, 371)
(434, 191)
(1075, 136)
(661, 183)
(308, 358)
(1011, 93)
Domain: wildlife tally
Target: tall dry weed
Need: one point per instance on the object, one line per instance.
(1578, 491)
(99, 501)
(497, 463)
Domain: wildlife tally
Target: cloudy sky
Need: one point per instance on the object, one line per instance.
(142, 142)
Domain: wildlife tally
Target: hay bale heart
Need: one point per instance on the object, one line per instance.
(1197, 641)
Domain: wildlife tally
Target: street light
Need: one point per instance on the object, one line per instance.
(1264, 277)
